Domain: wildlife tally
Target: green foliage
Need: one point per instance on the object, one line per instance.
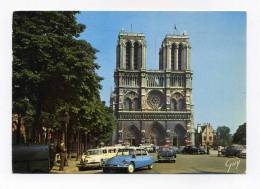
(240, 135)
(223, 136)
(55, 72)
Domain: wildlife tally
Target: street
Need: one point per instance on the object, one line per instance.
(185, 164)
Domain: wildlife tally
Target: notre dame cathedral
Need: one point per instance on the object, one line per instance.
(153, 106)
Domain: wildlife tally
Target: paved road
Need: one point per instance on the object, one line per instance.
(185, 164)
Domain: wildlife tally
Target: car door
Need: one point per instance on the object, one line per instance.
(147, 160)
(138, 159)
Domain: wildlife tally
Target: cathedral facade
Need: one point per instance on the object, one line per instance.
(153, 106)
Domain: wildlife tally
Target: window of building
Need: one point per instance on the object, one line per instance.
(181, 104)
(172, 56)
(180, 51)
(127, 104)
(128, 55)
(136, 104)
(173, 104)
(136, 55)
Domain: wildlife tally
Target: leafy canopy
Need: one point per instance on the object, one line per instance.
(55, 72)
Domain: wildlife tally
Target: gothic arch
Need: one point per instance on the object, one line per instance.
(132, 135)
(136, 104)
(157, 134)
(131, 95)
(127, 104)
(174, 104)
(177, 95)
(180, 132)
(178, 102)
(181, 104)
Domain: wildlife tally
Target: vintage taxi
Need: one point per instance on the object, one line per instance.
(128, 159)
(94, 158)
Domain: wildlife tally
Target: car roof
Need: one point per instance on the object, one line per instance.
(133, 148)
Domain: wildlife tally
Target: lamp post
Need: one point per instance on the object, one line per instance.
(175, 137)
(120, 136)
(143, 136)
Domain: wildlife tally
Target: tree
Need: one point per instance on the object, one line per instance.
(240, 135)
(223, 136)
(54, 72)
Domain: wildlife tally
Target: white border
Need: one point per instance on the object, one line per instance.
(251, 179)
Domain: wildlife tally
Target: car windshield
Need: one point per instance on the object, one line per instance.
(125, 152)
(94, 152)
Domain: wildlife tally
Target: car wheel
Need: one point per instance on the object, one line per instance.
(150, 166)
(130, 168)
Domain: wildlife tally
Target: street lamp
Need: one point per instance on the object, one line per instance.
(143, 136)
(120, 136)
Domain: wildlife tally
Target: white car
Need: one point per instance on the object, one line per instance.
(148, 147)
(96, 157)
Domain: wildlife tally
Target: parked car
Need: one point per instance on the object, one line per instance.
(180, 149)
(190, 150)
(129, 159)
(234, 150)
(243, 153)
(94, 158)
(31, 158)
(149, 147)
(223, 150)
(202, 150)
(166, 154)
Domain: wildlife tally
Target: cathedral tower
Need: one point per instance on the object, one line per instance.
(153, 106)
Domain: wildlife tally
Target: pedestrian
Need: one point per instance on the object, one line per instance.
(207, 149)
(62, 150)
(219, 150)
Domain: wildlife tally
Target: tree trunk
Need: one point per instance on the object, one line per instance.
(36, 126)
(18, 132)
(78, 145)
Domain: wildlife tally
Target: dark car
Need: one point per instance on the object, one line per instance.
(190, 150)
(166, 154)
(180, 149)
(234, 150)
(31, 158)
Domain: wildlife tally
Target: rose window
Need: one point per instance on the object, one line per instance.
(154, 100)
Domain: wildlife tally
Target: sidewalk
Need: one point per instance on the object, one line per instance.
(71, 168)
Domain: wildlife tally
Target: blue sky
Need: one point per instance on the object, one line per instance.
(218, 59)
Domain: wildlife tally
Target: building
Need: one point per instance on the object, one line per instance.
(206, 134)
(153, 106)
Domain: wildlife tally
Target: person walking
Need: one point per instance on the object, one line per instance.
(208, 148)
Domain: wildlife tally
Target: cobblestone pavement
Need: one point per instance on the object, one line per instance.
(185, 164)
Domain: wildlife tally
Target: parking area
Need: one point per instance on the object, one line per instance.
(185, 164)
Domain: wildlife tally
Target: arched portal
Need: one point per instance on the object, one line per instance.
(157, 134)
(132, 135)
(180, 133)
